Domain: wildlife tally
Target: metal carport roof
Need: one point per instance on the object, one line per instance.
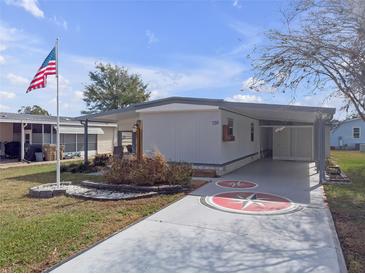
(273, 112)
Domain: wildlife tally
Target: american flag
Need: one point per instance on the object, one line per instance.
(48, 67)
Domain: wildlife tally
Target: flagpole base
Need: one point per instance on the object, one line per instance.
(49, 190)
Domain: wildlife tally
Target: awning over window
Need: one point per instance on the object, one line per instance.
(80, 130)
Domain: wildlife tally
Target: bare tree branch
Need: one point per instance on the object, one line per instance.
(322, 47)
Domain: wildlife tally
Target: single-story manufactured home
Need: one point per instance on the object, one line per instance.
(27, 129)
(211, 134)
(220, 135)
(348, 134)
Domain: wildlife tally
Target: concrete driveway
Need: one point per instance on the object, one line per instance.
(189, 236)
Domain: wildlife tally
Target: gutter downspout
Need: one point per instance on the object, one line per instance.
(321, 148)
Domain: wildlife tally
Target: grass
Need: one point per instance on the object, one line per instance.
(37, 233)
(347, 204)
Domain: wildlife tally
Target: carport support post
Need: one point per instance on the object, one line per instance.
(321, 149)
(22, 141)
(86, 142)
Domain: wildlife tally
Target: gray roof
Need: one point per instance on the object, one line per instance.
(34, 118)
(213, 102)
(232, 106)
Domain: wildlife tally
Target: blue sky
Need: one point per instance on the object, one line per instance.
(181, 48)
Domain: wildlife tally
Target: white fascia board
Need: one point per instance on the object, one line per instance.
(103, 124)
(71, 123)
(177, 107)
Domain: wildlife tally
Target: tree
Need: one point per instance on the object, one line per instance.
(112, 87)
(35, 109)
(321, 47)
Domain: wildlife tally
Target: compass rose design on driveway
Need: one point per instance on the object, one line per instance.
(236, 184)
(250, 203)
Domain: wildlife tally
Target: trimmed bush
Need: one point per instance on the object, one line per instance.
(78, 168)
(179, 174)
(149, 171)
(102, 160)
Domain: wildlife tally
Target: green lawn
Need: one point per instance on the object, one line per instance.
(37, 233)
(347, 204)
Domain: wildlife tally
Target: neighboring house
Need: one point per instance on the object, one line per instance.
(220, 135)
(348, 134)
(40, 129)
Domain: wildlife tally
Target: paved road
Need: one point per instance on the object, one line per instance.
(191, 237)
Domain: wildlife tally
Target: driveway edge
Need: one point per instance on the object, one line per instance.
(331, 222)
(50, 269)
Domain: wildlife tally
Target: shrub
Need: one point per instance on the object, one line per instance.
(149, 171)
(101, 160)
(78, 167)
(179, 174)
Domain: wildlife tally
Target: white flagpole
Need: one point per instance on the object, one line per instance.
(58, 168)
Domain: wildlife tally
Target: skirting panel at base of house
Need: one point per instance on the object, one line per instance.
(228, 167)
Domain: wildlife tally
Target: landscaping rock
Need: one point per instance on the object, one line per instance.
(105, 195)
(162, 189)
(91, 193)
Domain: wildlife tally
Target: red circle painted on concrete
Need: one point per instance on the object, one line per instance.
(236, 184)
(250, 203)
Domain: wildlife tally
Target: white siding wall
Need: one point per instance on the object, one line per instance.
(242, 144)
(193, 136)
(293, 143)
(105, 141)
(127, 124)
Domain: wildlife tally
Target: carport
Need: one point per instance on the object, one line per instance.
(291, 132)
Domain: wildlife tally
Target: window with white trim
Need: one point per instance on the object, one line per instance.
(356, 132)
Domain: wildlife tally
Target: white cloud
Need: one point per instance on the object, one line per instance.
(249, 37)
(244, 98)
(260, 85)
(151, 37)
(201, 73)
(64, 83)
(59, 21)
(2, 48)
(7, 34)
(158, 94)
(237, 4)
(30, 6)
(7, 95)
(4, 107)
(11, 38)
(16, 79)
(193, 73)
(79, 94)
(197, 72)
